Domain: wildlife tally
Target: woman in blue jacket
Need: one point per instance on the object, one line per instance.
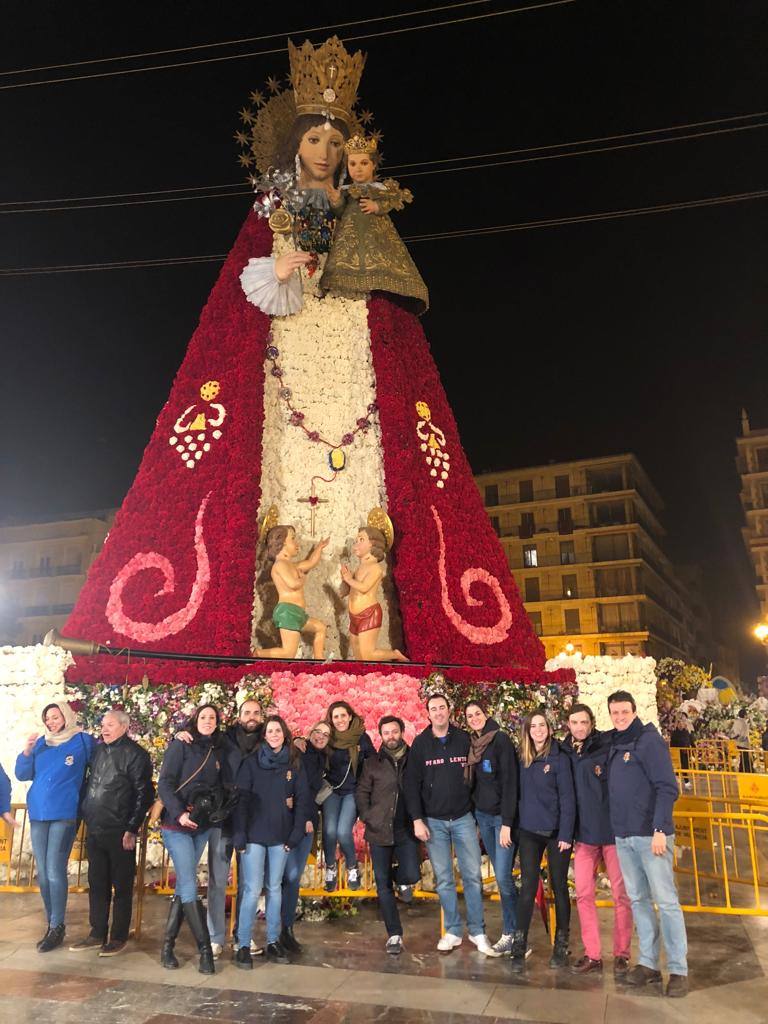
(55, 763)
(270, 820)
(349, 745)
(547, 821)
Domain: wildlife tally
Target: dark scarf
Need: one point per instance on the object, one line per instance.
(478, 745)
(247, 741)
(630, 734)
(270, 759)
(397, 754)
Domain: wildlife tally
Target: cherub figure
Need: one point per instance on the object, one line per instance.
(365, 614)
(367, 253)
(290, 616)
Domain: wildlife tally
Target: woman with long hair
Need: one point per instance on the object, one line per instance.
(547, 821)
(190, 777)
(270, 820)
(55, 763)
(314, 763)
(492, 771)
(349, 745)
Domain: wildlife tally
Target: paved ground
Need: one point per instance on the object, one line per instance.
(344, 975)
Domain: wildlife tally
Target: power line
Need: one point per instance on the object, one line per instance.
(477, 232)
(245, 39)
(171, 195)
(283, 49)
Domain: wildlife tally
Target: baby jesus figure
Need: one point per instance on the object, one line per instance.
(290, 616)
(367, 254)
(365, 614)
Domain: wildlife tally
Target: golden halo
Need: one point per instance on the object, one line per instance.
(270, 520)
(379, 520)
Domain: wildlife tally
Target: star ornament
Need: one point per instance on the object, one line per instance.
(257, 98)
(241, 138)
(246, 116)
(366, 116)
(377, 135)
(273, 84)
(244, 160)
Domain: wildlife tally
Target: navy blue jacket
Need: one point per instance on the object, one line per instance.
(434, 784)
(5, 792)
(274, 805)
(313, 764)
(235, 759)
(547, 797)
(338, 763)
(180, 761)
(495, 778)
(57, 775)
(590, 780)
(642, 787)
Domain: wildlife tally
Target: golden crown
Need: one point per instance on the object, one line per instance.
(359, 144)
(325, 79)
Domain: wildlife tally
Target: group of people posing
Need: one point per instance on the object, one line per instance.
(254, 791)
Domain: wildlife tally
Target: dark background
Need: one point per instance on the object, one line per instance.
(644, 335)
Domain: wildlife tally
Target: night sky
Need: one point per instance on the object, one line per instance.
(645, 334)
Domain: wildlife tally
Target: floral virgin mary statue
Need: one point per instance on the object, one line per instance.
(332, 407)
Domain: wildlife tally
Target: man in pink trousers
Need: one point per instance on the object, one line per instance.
(595, 842)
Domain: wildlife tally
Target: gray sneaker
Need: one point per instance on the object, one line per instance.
(394, 945)
(504, 945)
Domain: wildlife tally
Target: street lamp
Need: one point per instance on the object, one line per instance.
(761, 632)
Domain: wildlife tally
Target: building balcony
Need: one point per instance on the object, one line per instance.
(36, 611)
(45, 571)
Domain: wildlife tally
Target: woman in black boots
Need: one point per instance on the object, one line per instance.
(192, 779)
(547, 821)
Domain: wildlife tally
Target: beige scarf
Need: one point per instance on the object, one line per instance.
(71, 728)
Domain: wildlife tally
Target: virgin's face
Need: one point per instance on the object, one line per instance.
(273, 734)
(362, 545)
(54, 720)
(320, 152)
(340, 719)
(206, 722)
(360, 167)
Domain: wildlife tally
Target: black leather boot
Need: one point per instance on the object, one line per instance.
(172, 925)
(53, 939)
(198, 925)
(559, 956)
(289, 941)
(517, 952)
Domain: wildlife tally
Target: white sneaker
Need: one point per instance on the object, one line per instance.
(394, 945)
(449, 942)
(353, 878)
(217, 949)
(483, 945)
(256, 950)
(331, 877)
(504, 945)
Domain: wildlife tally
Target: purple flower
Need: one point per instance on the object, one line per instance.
(296, 418)
(276, 371)
(363, 423)
(285, 393)
(272, 352)
(348, 439)
(373, 407)
(313, 435)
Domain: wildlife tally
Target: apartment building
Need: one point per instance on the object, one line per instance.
(585, 544)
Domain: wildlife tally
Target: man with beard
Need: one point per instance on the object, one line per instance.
(388, 828)
(240, 742)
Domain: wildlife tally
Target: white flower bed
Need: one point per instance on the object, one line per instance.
(599, 676)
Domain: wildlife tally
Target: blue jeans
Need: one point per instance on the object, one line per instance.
(219, 862)
(294, 869)
(262, 866)
(339, 817)
(648, 879)
(503, 860)
(462, 834)
(185, 851)
(51, 844)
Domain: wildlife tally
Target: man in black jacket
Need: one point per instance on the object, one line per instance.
(388, 829)
(117, 797)
(438, 800)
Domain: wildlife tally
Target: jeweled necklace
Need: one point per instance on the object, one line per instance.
(336, 456)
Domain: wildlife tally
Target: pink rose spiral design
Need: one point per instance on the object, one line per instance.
(477, 634)
(149, 631)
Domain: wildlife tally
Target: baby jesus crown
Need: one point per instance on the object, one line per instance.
(325, 78)
(359, 144)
